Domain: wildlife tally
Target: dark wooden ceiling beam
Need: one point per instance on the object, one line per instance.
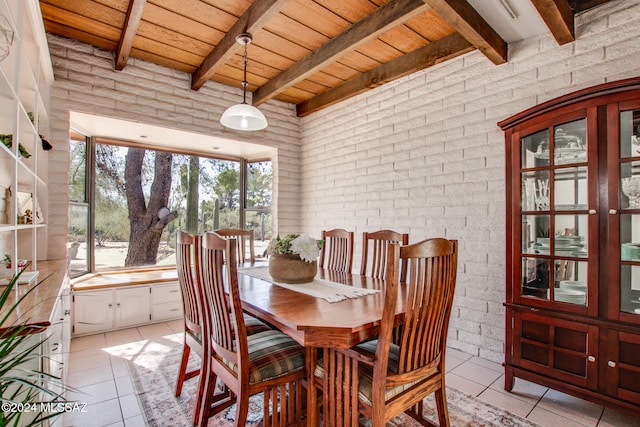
(435, 52)
(466, 21)
(251, 21)
(582, 5)
(369, 28)
(131, 22)
(558, 16)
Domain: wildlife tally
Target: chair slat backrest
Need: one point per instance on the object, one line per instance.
(225, 331)
(187, 260)
(337, 250)
(242, 237)
(431, 279)
(375, 246)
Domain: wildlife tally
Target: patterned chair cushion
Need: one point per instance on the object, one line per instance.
(365, 384)
(254, 325)
(271, 355)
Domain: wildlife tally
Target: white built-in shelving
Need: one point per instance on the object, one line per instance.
(26, 76)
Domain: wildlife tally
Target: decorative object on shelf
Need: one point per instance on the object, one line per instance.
(26, 209)
(631, 189)
(542, 194)
(8, 207)
(292, 259)
(244, 116)
(529, 202)
(46, 146)
(630, 251)
(7, 140)
(8, 273)
(6, 37)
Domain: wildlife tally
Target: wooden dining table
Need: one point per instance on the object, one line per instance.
(314, 322)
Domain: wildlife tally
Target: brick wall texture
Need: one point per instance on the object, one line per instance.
(421, 155)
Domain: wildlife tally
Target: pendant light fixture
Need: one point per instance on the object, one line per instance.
(244, 116)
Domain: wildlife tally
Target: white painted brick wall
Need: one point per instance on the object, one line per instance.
(424, 155)
(86, 82)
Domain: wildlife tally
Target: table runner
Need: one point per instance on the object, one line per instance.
(319, 288)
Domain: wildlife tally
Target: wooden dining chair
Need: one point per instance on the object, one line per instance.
(374, 253)
(395, 378)
(242, 237)
(267, 362)
(337, 250)
(188, 248)
(187, 256)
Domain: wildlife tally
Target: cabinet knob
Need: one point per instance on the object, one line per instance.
(591, 358)
(67, 312)
(118, 305)
(611, 364)
(592, 212)
(110, 305)
(612, 211)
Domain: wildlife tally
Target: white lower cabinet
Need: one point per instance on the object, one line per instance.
(93, 311)
(116, 308)
(132, 306)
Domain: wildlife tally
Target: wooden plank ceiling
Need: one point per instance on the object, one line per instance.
(312, 53)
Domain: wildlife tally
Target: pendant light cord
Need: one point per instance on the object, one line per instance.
(244, 79)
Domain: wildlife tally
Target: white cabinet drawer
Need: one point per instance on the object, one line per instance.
(166, 311)
(166, 292)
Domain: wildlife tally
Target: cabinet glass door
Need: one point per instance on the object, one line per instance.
(630, 211)
(554, 203)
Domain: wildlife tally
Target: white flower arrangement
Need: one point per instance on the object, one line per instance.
(305, 246)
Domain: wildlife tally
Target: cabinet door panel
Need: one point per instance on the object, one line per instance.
(622, 375)
(626, 299)
(93, 311)
(556, 176)
(559, 348)
(132, 306)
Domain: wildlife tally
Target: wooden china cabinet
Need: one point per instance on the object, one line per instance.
(573, 245)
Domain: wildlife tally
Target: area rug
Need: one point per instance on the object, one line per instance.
(154, 375)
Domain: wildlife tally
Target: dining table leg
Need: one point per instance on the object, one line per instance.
(312, 393)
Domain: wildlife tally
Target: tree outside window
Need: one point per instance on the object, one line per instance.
(142, 197)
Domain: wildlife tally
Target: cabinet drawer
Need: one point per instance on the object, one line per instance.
(169, 292)
(166, 311)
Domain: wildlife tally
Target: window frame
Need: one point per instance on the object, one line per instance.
(90, 187)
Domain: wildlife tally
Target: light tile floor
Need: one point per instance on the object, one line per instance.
(108, 390)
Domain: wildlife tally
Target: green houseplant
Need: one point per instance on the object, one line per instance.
(26, 398)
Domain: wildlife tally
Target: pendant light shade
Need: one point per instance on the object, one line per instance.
(244, 116)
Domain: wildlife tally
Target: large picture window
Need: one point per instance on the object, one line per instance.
(130, 201)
